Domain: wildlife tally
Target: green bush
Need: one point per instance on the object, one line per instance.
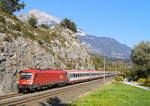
(32, 20)
(142, 80)
(44, 26)
(69, 24)
(2, 19)
(119, 78)
(16, 27)
(3, 28)
(29, 35)
(148, 80)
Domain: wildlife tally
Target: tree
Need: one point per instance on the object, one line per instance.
(44, 26)
(32, 21)
(141, 60)
(69, 24)
(11, 6)
(98, 62)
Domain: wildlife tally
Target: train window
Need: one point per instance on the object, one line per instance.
(76, 75)
(25, 75)
(71, 75)
(79, 75)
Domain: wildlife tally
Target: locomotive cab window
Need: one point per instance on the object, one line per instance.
(25, 75)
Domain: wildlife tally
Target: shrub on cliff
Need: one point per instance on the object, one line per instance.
(32, 21)
(69, 24)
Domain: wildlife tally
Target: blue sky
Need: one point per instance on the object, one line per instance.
(127, 21)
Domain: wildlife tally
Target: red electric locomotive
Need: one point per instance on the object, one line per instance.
(33, 79)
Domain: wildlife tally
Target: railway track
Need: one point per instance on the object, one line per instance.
(23, 99)
(10, 96)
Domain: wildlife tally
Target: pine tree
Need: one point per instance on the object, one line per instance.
(11, 6)
(33, 21)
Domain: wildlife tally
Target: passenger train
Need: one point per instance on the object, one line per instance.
(37, 79)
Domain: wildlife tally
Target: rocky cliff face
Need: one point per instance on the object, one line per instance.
(24, 47)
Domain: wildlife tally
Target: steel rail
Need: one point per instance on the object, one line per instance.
(47, 94)
(10, 96)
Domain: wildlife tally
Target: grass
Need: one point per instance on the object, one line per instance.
(116, 94)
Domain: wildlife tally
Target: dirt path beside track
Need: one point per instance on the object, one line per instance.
(63, 98)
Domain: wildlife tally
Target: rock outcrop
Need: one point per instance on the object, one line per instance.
(24, 47)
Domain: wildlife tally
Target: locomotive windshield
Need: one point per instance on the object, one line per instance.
(25, 75)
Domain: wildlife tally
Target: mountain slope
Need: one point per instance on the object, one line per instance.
(106, 47)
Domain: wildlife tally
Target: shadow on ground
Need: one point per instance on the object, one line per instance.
(53, 102)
